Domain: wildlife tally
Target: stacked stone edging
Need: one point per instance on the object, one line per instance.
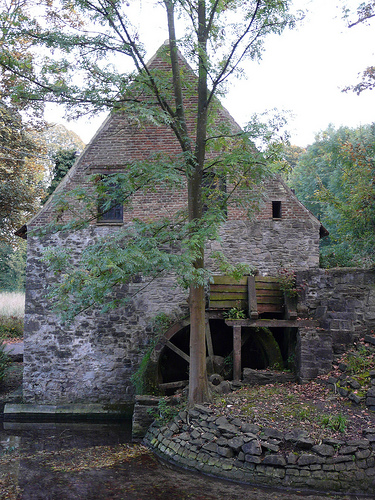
(229, 448)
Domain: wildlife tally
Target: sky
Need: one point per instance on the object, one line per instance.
(302, 71)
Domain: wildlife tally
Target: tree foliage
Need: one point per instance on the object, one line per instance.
(12, 267)
(21, 173)
(62, 161)
(362, 15)
(87, 46)
(335, 180)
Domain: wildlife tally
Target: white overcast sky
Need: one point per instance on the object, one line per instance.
(302, 71)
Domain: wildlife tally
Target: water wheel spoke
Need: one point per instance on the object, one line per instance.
(178, 351)
(210, 348)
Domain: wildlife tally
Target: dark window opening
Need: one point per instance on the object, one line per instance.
(276, 209)
(112, 212)
(214, 190)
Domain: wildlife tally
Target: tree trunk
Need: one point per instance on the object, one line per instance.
(198, 385)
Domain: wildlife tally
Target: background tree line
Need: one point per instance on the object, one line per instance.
(334, 178)
(32, 163)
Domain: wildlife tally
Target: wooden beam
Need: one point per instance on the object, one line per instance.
(228, 304)
(178, 351)
(273, 323)
(210, 348)
(237, 352)
(173, 385)
(290, 307)
(228, 295)
(253, 306)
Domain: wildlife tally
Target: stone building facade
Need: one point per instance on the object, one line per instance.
(93, 359)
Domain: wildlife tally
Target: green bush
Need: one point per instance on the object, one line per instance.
(11, 327)
(336, 256)
(335, 422)
(164, 412)
(4, 361)
(359, 361)
(144, 379)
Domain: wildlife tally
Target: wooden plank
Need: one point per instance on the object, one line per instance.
(229, 280)
(253, 309)
(227, 304)
(228, 296)
(270, 300)
(266, 279)
(269, 308)
(267, 286)
(226, 288)
(178, 351)
(269, 293)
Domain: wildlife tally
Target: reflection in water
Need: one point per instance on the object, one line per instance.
(50, 461)
(55, 460)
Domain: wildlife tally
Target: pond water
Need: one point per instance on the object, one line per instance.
(58, 461)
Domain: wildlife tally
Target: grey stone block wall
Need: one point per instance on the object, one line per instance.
(314, 354)
(201, 439)
(266, 244)
(92, 359)
(341, 300)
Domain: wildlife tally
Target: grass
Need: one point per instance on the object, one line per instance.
(12, 304)
(12, 308)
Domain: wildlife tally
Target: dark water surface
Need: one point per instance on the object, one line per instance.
(81, 461)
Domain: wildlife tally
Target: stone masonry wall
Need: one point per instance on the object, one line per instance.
(341, 300)
(201, 439)
(92, 359)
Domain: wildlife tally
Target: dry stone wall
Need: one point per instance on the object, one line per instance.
(201, 439)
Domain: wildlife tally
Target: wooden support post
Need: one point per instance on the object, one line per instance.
(252, 298)
(210, 349)
(290, 306)
(237, 352)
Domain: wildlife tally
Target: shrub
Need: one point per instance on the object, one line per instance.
(336, 256)
(11, 327)
(144, 379)
(360, 361)
(335, 422)
(164, 412)
(4, 361)
(287, 280)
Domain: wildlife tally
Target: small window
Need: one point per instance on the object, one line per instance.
(276, 209)
(113, 213)
(214, 188)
